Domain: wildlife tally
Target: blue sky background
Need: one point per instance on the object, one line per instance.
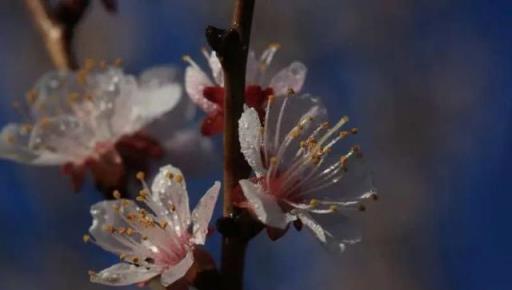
(427, 82)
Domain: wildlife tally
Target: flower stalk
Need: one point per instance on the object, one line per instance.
(57, 26)
(232, 48)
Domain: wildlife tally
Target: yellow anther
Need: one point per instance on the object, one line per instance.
(354, 131)
(135, 260)
(140, 176)
(73, 97)
(9, 139)
(31, 97)
(129, 231)
(89, 98)
(290, 92)
(274, 45)
(344, 119)
(170, 176)
(140, 198)
(186, 58)
(295, 132)
(116, 194)
(333, 208)
(344, 162)
(178, 178)
(144, 238)
(163, 224)
(273, 160)
(122, 256)
(344, 134)
(86, 238)
(89, 64)
(26, 128)
(313, 203)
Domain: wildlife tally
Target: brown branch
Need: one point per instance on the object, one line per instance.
(232, 48)
(56, 26)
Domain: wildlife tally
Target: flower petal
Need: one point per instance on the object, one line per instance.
(249, 131)
(264, 206)
(216, 68)
(195, 83)
(170, 193)
(123, 274)
(64, 135)
(202, 214)
(104, 215)
(178, 271)
(290, 78)
(323, 230)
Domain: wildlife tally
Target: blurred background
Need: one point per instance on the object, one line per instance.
(428, 83)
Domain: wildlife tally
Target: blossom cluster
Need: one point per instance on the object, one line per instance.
(305, 171)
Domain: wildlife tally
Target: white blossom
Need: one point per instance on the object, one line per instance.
(157, 238)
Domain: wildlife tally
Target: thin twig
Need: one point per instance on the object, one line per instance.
(57, 28)
(232, 47)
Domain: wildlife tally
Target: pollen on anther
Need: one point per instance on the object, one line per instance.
(313, 203)
(140, 175)
(354, 131)
(86, 238)
(178, 178)
(116, 194)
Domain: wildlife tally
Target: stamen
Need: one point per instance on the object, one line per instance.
(116, 194)
(86, 238)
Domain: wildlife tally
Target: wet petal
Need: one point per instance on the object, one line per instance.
(195, 83)
(264, 206)
(202, 214)
(63, 135)
(123, 274)
(178, 271)
(216, 68)
(170, 192)
(335, 231)
(290, 78)
(249, 130)
(104, 215)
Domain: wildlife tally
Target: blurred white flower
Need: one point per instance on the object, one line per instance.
(296, 167)
(160, 238)
(92, 119)
(209, 95)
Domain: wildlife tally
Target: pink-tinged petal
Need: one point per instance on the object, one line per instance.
(216, 67)
(213, 123)
(124, 274)
(249, 130)
(170, 193)
(195, 83)
(177, 271)
(202, 214)
(264, 206)
(290, 78)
